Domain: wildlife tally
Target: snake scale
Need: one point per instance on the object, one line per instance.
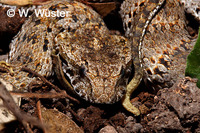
(96, 65)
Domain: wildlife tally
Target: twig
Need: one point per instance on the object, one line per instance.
(38, 105)
(41, 77)
(61, 94)
(10, 104)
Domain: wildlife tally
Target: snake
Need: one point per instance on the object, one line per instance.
(90, 61)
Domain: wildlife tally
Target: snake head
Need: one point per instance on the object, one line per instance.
(95, 64)
(98, 67)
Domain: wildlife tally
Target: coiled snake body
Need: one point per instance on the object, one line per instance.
(96, 65)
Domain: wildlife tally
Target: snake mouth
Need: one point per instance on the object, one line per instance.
(74, 79)
(67, 72)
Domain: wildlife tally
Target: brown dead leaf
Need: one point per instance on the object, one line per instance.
(59, 122)
(103, 8)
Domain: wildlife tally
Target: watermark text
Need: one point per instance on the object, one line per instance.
(38, 13)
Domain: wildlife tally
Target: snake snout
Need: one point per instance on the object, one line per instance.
(106, 91)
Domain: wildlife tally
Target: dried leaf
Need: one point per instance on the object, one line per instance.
(103, 8)
(59, 122)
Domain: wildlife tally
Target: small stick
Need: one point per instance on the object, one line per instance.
(10, 104)
(38, 106)
(41, 77)
(61, 94)
(49, 83)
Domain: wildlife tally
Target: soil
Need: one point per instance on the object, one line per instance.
(175, 109)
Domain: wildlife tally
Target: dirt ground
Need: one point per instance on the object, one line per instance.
(175, 109)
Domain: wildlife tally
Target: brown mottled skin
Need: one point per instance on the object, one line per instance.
(166, 42)
(95, 64)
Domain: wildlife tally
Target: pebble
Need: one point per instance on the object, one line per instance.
(108, 129)
(133, 127)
